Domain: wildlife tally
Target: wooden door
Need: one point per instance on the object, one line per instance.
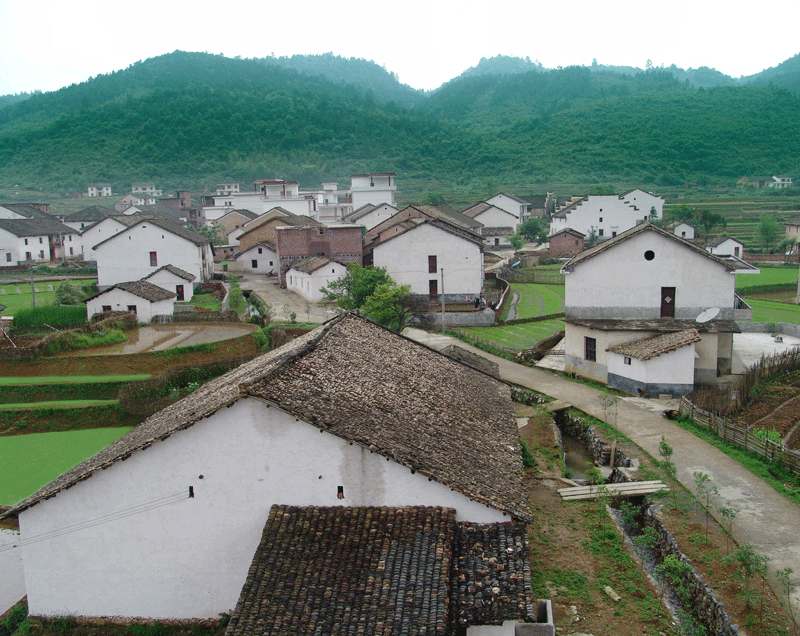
(667, 302)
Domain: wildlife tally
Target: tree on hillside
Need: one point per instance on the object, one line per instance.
(353, 289)
(767, 231)
(708, 221)
(433, 198)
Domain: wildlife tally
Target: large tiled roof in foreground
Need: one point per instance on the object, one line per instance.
(338, 571)
(370, 386)
(657, 345)
(371, 570)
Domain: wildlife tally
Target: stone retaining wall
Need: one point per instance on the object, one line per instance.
(576, 427)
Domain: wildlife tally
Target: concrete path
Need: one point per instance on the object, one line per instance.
(283, 301)
(766, 519)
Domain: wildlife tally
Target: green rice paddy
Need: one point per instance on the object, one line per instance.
(28, 462)
(770, 311)
(73, 379)
(768, 276)
(519, 337)
(538, 300)
(19, 296)
(60, 404)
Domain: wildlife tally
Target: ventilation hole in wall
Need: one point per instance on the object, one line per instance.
(649, 255)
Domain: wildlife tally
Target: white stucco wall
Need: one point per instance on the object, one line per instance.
(309, 285)
(120, 300)
(506, 629)
(509, 204)
(266, 262)
(12, 579)
(604, 287)
(98, 233)
(728, 247)
(603, 213)
(126, 256)
(645, 201)
(684, 231)
(189, 558)
(674, 368)
(377, 216)
(406, 261)
(495, 217)
(18, 246)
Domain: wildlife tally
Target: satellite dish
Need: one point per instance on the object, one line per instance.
(708, 314)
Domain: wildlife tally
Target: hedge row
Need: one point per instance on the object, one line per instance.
(48, 420)
(18, 393)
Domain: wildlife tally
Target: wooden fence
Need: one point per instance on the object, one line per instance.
(743, 437)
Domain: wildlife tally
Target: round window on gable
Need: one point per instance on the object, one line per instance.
(649, 255)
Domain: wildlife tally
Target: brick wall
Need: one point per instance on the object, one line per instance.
(342, 244)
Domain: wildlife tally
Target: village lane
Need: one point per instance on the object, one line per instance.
(766, 519)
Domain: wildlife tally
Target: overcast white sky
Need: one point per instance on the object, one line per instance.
(47, 44)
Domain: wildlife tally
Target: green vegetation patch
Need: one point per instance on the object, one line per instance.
(771, 311)
(59, 392)
(49, 315)
(768, 276)
(517, 336)
(538, 300)
(57, 404)
(32, 461)
(15, 302)
(73, 379)
(49, 419)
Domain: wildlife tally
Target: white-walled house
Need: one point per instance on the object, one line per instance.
(99, 190)
(141, 249)
(491, 215)
(139, 296)
(100, 231)
(175, 280)
(375, 188)
(605, 215)
(675, 281)
(646, 202)
(136, 531)
(511, 204)
(369, 215)
(309, 275)
(433, 258)
(683, 230)
(36, 240)
(725, 246)
(261, 258)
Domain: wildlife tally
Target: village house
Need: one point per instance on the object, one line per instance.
(224, 189)
(130, 200)
(99, 190)
(175, 280)
(793, 228)
(308, 276)
(143, 298)
(148, 244)
(369, 215)
(520, 209)
(25, 211)
(725, 246)
(374, 187)
(490, 215)
(682, 229)
(36, 240)
(433, 257)
(613, 318)
(101, 230)
(147, 189)
(234, 219)
(459, 222)
(567, 241)
(605, 216)
(87, 217)
(341, 243)
(262, 228)
(291, 429)
(259, 258)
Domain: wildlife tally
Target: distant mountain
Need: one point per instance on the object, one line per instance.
(188, 119)
(785, 75)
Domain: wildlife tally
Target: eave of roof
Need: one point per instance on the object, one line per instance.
(648, 348)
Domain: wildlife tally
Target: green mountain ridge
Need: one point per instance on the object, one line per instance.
(188, 119)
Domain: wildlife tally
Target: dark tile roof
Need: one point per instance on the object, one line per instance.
(491, 575)
(568, 230)
(140, 288)
(414, 223)
(447, 213)
(173, 270)
(93, 213)
(245, 213)
(311, 264)
(719, 240)
(476, 208)
(635, 231)
(27, 210)
(164, 224)
(398, 398)
(651, 347)
(35, 227)
(511, 196)
(338, 571)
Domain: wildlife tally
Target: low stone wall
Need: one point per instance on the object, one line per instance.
(598, 447)
(483, 318)
(708, 609)
(526, 396)
(770, 327)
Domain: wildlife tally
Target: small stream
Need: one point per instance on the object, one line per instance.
(576, 457)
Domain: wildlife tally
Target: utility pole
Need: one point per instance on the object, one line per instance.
(442, 270)
(33, 291)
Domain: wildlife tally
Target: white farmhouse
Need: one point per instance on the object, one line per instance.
(175, 280)
(148, 244)
(309, 275)
(625, 292)
(605, 216)
(725, 246)
(333, 418)
(99, 190)
(646, 202)
(100, 231)
(261, 258)
(520, 208)
(369, 215)
(683, 230)
(36, 240)
(491, 215)
(141, 297)
(375, 188)
(433, 257)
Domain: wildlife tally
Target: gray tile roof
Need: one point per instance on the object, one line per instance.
(140, 288)
(164, 224)
(369, 570)
(173, 270)
(35, 227)
(476, 208)
(362, 211)
(397, 398)
(719, 240)
(657, 345)
(311, 264)
(93, 213)
(655, 324)
(27, 210)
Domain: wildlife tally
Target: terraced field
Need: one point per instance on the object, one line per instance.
(518, 337)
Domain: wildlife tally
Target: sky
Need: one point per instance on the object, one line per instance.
(48, 44)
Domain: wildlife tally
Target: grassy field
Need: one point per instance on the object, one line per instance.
(768, 276)
(517, 336)
(75, 379)
(14, 301)
(60, 404)
(770, 311)
(538, 300)
(28, 462)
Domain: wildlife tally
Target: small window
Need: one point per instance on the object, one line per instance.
(600, 233)
(153, 259)
(270, 263)
(321, 230)
(254, 264)
(259, 250)
(613, 234)
(8, 257)
(432, 264)
(106, 307)
(340, 492)
(70, 251)
(590, 349)
(40, 240)
(626, 360)
(601, 218)
(26, 241)
(132, 308)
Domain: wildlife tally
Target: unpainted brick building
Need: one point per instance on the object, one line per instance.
(339, 243)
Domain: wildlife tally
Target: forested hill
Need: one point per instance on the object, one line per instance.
(185, 119)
